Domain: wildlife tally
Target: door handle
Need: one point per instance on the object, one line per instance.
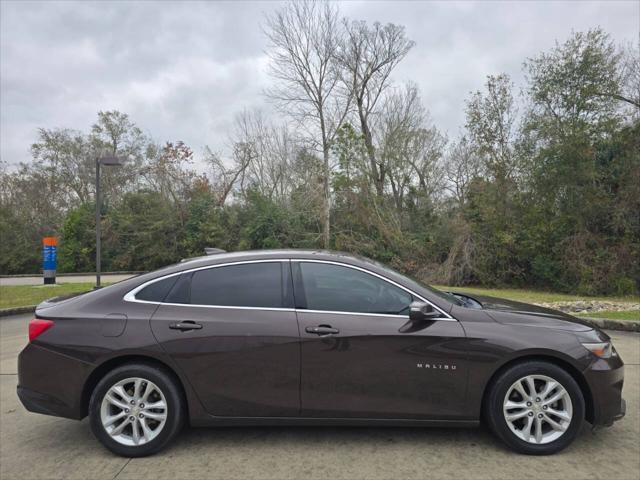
(186, 325)
(322, 330)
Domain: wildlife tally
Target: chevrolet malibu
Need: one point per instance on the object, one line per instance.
(312, 338)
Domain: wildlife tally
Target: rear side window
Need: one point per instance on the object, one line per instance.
(181, 290)
(247, 285)
(157, 291)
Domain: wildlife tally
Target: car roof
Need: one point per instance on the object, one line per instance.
(121, 288)
(252, 255)
(266, 254)
(291, 253)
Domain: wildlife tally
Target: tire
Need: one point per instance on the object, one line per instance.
(531, 409)
(157, 422)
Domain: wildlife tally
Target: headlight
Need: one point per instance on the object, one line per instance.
(601, 350)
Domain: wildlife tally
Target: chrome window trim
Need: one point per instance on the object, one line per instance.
(131, 295)
(333, 312)
(230, 307)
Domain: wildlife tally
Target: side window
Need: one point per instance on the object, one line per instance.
(247, 285)
(344, 289)
(181, 290)
(157, 290)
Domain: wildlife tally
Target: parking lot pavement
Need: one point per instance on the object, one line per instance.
(35, 446)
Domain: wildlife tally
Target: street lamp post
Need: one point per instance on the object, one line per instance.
(114, 161)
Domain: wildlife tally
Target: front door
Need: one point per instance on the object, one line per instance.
(361, 357)
(233, 332)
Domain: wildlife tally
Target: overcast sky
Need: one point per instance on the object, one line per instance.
(182, 70)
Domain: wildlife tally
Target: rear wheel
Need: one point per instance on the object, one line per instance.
(535, 407)
(136, 409)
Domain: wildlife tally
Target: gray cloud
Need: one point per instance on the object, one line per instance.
(183, 70)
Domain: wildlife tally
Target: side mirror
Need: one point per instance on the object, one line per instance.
(422, 312)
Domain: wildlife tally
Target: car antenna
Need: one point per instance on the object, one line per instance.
(213, 251)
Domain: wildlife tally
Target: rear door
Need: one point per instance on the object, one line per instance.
(361, 357)
(233, 331)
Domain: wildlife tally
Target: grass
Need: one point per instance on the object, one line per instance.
(622, 315)
(535, 296)
(24, 295)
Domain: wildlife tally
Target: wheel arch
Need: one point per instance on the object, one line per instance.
(565, 365)
(101, 370)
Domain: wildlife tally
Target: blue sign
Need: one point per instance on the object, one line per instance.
(50, 257)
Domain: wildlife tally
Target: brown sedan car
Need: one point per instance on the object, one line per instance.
(316, 338)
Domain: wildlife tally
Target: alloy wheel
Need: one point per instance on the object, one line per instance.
(537, 409)
(133, 411)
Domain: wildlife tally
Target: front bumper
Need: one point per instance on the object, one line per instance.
(623, 411)
(605, 378)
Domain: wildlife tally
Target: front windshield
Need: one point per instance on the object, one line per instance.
(446, 295)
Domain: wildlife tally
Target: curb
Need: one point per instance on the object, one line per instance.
(619, 325)
(5, 312)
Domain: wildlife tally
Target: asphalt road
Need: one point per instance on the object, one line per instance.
(79, 278)
(35, 446)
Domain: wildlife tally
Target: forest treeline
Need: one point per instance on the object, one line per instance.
(540, 188)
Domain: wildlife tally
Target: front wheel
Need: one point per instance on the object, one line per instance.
(136, 409)
(535, 407)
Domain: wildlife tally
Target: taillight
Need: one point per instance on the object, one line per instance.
(38, 326)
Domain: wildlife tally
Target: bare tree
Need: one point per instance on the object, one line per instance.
(303, 38)
(462, 166)
(224, 178)
(410, 146)
(274, 149)
(630, 78)
(262, 159)
(402, 115)
(367, 56)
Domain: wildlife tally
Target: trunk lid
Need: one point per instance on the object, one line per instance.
(59, 300)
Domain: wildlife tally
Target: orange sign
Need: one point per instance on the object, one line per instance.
(50, 241)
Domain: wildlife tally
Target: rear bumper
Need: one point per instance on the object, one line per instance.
(37, 402)
(51, 383)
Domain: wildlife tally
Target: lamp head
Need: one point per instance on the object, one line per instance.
(111, 160)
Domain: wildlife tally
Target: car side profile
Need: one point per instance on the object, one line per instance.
(291, 337)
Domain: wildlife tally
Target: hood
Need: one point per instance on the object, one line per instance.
(519, 313)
